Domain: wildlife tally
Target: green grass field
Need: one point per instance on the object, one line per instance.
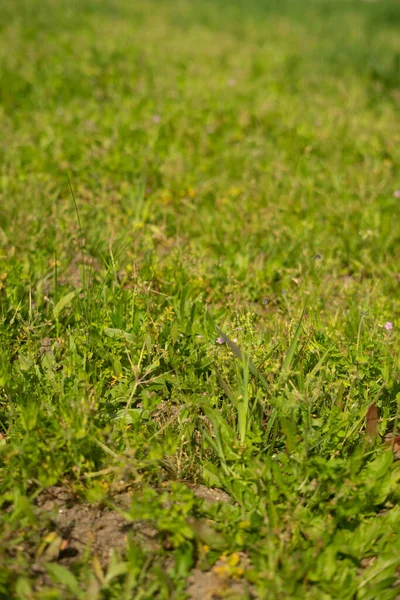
(199, 299)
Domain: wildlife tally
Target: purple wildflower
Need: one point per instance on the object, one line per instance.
(396, 193)
(220, 340)
(388, 325)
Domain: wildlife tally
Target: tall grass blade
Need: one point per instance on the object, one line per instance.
(240, 355)
(287, 363)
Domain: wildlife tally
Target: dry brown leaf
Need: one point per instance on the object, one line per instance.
(393, 442)
(372, 421)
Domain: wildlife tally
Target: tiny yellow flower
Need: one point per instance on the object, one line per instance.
(234, 559)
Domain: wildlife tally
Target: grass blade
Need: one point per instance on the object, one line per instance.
(63, 303)
(287, 363)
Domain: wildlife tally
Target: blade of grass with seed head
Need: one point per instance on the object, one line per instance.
(239, 354)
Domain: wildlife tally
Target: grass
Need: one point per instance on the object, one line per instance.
(175, 173)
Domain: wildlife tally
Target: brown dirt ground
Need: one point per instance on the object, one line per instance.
(216, 584)
(79, 528)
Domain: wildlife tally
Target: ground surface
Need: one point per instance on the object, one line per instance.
(199, 299)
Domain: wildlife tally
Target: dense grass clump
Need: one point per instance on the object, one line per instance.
(199, 299)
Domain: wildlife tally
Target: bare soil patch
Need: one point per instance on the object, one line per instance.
(80, 529)
(219, 582)
(94, 527)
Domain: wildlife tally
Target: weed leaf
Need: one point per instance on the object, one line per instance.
(64, 576)
(63, 303)
(118, 333)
